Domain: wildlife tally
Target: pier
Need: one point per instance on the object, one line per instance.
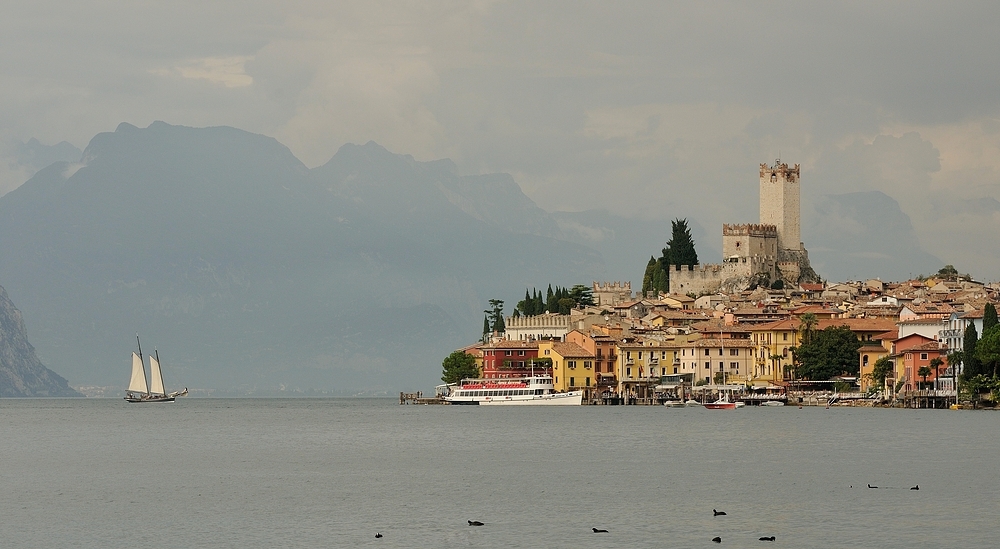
(419, 398)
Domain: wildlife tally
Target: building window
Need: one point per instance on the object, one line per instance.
(734, 352)
(588, 382)
(587, 364)
(571, 363)
(720, 351)
(707, 352)
(708, 365)
(923, 356)
(784, 336)
(628, 372)
(572, 381)
(520, 353)
(508, 353)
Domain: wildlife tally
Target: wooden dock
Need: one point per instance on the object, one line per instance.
(419, 398)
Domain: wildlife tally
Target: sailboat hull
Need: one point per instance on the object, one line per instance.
(150, 399)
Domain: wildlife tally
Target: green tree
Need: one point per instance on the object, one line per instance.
(923, 372)
(988, 352)
(948, 272)
(582, 295)
(970, 363)
(680, 249)
(807, 325)
(830, 352)
(989, 318)
(881, 370)
(486, 328)
(647, 278)
(457, 366)
(495, 316)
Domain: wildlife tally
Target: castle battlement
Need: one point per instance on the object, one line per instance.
(780, 171)
(612, 293)
(750, 229)
(612, 286)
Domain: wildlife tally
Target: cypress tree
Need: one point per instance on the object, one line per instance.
(539, 305)
(971, 363)
(486, 328)
(680, 249)
(989, 317)
(647, 277)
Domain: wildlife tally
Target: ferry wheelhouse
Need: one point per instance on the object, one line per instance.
(534, 390)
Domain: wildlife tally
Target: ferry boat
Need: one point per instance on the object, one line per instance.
(534, 390)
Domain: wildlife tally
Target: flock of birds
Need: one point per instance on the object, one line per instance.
(715, 513)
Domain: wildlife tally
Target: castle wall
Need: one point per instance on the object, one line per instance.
(779, 203)
(709, 278)
(749, 239)
(612, 293)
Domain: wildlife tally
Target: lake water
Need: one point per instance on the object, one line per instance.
(254, 473)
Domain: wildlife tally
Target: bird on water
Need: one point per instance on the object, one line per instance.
(378, 535)
(599, 531)
(917, 487)
(475, 523)
(717, 539)
(716, 513)
(870, 486)
(766, 538)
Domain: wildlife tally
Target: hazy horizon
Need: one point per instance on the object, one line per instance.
(642, 108)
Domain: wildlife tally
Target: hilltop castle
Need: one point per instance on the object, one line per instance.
(756, 253)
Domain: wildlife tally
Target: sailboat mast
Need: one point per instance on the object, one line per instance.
(160, 372)
(141, 361)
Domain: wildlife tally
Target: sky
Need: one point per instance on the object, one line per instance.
(651, 109)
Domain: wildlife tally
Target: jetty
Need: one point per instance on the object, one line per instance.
(419, 398)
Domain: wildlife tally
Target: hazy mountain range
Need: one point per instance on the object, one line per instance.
(248, 270)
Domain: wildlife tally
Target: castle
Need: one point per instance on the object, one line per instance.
(756, 253)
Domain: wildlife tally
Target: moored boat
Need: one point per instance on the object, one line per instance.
(723, 403)
(533, 390)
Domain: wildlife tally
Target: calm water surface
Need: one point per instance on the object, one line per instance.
(332, 472)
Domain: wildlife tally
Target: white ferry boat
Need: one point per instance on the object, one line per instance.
(534, 390)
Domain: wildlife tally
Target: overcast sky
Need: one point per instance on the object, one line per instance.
(649, 107)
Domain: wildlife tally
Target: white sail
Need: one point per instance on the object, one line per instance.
(138, 382)
(155, 379)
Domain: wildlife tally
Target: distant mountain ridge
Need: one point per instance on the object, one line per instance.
(250, 271)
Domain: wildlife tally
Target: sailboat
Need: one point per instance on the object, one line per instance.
(138, 391)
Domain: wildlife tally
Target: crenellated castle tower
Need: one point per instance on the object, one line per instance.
(757, 253)
(779, 203)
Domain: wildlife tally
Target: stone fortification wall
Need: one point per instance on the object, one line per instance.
(735, 273)
(612, 293)
(749, 239)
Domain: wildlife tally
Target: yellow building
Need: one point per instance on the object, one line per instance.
(869, 353)
(773, 343)
(572, 366)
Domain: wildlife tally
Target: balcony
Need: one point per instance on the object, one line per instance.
(946, 334)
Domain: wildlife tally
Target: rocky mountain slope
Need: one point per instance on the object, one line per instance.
(21, 373)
